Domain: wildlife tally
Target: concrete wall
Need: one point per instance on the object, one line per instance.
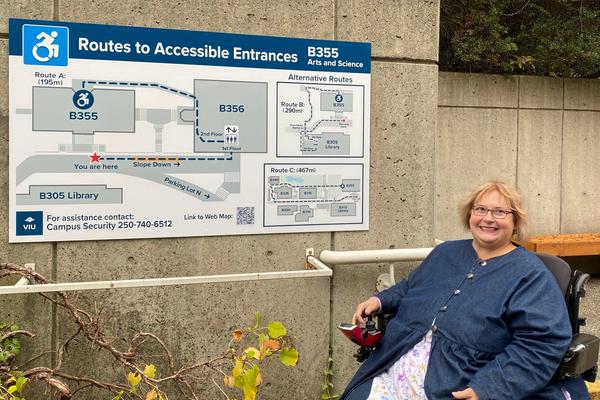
(195, 320)
(542, 134)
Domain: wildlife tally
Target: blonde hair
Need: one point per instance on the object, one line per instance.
(512, 196)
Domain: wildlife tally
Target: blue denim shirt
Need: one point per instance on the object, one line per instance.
(500, 327)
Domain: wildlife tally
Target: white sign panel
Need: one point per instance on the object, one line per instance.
(119, 132)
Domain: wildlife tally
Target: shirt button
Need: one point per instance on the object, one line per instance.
(443, 308)
(470, 275)
(457, 292)
(434, 328)
(483, 263)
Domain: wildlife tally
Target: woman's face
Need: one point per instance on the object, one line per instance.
(489, 232)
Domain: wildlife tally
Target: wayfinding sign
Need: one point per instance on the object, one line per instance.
(123, 132)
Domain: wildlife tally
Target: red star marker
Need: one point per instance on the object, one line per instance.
(95, 158)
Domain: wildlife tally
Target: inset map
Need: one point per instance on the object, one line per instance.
(319, 120)
(313, 194)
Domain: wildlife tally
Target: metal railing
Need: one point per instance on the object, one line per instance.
(313, 268)
(373, 256)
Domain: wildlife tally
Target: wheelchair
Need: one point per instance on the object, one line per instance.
(582, 356)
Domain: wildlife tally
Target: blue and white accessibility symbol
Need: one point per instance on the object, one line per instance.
(83, 99)
(30, 223)
(45, 45)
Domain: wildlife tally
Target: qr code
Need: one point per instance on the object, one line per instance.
(245, 215)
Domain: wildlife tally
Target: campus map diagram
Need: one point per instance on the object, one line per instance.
(127, 149)
(317, 120)
(324, 195)
(95, 148)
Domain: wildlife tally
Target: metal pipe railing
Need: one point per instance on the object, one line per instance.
(314, 268)
(374, 256)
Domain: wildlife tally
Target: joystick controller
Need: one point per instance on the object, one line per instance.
(367, 337)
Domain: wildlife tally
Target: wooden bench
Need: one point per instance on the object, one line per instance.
(566, 245)
(594, 389)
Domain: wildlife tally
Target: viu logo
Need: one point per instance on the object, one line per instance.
(45, 45)
(30, 223)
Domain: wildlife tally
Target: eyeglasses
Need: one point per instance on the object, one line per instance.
(497, 213)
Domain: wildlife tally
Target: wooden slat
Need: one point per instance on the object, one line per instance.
(587, 244)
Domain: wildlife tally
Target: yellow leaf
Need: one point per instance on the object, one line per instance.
(134, 379)
(152, 395)
(238, 367)
(229, 381)
(252, 352)
(237, 335)
(259, 379)
(150, 371)
(249, 392)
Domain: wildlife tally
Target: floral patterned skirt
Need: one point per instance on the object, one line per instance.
(404, 379)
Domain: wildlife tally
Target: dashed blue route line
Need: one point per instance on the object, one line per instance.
(285, 184)
(162, 87)
(306, 131)
(310, 186)
(169, 158)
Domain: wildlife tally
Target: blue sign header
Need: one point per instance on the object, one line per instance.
(53, 43)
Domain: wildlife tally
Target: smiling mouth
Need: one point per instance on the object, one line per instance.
(488, 228)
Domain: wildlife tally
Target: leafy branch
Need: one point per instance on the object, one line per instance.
(327, 392)
(242, 358)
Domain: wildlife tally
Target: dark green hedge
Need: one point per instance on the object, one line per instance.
(541, 37)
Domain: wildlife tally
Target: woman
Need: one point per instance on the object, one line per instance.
(479, 319)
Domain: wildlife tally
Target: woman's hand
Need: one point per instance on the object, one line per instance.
(468, 394)
(364, 309)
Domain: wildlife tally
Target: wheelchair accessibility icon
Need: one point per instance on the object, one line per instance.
(83, 99)
(45, 45)
(47, 42)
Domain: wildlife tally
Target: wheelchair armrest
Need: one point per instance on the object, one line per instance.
(578, 282)
(581, 358)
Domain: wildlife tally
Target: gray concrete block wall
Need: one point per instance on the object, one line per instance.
(539, 166)
(582, 94)
(404, 30)
(553, 133)
(308, 19)
(469, 149)
(195, 320)
(4, 77)
(34, 9)
(581, 172)
(540, 93)
(477, 90)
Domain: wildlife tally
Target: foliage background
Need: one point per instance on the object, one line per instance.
(540, 37)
